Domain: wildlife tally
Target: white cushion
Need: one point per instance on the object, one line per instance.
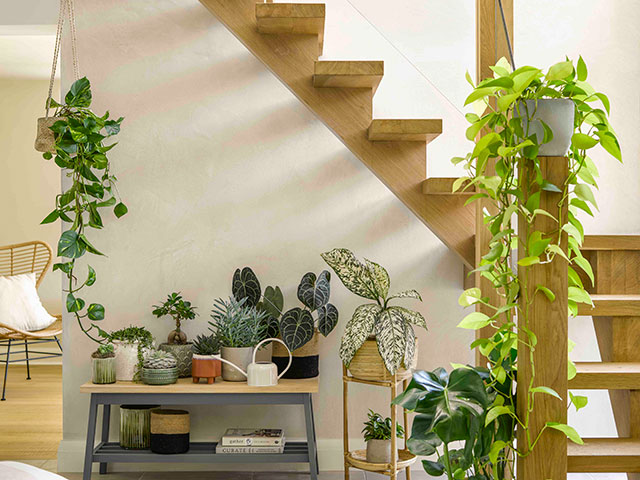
(20, 305)
(22, 471)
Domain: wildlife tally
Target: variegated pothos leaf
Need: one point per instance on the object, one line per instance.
(380, 278)
(327, 318)
(407, 294)
(411, 316)
(410, 351)
(353, 273)
(314, 292)
(391, 338)
(357, 330)
(296, 328)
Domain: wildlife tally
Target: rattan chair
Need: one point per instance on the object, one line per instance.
(30, 257)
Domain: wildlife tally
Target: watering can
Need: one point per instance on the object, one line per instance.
(262, 374)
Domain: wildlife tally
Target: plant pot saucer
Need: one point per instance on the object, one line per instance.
(358, 459)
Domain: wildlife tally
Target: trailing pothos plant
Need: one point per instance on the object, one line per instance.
(391, 325)
(81, 153)
(502, 136)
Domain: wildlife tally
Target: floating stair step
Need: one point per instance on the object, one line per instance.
(606, 376)
(612, 306)
(611, 242)
(417, 130)
(443, 186)
(348, 74)
(299, 18)
(605, 455)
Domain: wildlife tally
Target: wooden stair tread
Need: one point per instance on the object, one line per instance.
(292, 18)
(348, 73)
(606, 376)
(605, 455)
(612, 306)
(405, 130)
(611, 242)
(443, 186)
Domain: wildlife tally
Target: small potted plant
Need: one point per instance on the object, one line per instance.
(377, 433)
(130, 345)
(206, 362)
(179, 310)
(238, 328)
(103, 362)
(379, 340)
(159, 368)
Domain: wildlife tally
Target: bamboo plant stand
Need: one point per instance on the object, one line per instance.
(358, 458)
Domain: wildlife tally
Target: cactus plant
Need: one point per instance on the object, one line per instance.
(158, 359)
(179, 310)
(206, 345)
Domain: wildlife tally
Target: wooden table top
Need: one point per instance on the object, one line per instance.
(186, 385)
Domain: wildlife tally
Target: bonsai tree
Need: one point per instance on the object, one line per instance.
(179, 310)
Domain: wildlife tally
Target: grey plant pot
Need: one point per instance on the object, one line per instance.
(379, 451)
(159, 376)
(241, 357)
(103, 370)
(558, 114)
(183, 354)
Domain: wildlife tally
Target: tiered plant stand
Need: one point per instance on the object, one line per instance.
(358, 458)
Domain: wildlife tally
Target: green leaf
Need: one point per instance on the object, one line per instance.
(546, 390)
(297, 328)
(570, 432)
(578, 401)
(605, 101)
(474, 321)
(549, 187)
(63, 267)
(548, 293)
(74, 304)
(314, 292)
(353, 273)
(120, 209)
(584, 192)
(581, 70)
(505, 101)
(583, 141)
(503, 82)
(470, 297)
(479, 93)
(69, 245)
(95, 312)
(585, 266)
(495, 412)
(91, 278)
(357, 330)
(391, 338)
(52, 217)
(579, 295)
(527, 261)
(327, 319)
(380, 278)
(572, 371)
(434, 469)
(407, 294)
(559, 71)
(610, 143)
(245, 285)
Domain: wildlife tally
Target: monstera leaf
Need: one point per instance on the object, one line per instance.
(314, 292)
(296, 328)
(354, 275)
(246, 285)
(391, 337)
(357, 330)
(327, 319)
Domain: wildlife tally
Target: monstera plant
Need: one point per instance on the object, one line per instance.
(297, 325)
(392, 325)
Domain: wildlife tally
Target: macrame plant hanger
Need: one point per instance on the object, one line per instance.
(45, 140)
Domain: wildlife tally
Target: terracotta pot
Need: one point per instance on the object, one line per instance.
(367, 364)
(205, 366)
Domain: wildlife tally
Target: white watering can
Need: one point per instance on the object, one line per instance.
(262, 374)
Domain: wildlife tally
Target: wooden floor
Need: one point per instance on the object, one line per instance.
(31, 417)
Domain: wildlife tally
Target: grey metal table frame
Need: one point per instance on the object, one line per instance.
(200, 452)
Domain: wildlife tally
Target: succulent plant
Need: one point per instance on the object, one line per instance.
(158, 359)
(105, 350)
(206, 345)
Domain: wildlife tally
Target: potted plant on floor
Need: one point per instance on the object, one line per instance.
(179, 310)
(103, 363)
(377, 433)
(131, 344)
(379, 340)
(238, 328)
(206, 359)
(159, 368)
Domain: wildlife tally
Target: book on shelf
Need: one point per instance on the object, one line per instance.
(244, 450)
(252, 437)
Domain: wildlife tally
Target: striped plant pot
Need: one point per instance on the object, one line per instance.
(305, 360)
(169, 431)
(183, 354)
(103, 370)
(135, 426)
(160, 376)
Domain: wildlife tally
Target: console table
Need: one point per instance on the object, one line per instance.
(185, 392)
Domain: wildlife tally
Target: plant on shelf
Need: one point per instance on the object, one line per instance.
(511, 131)
(377, 433)
(82, 155)
(103, 364)
(159, 368)
(238, 328)
(131, 343)
(206, 362)
(179, 310)
(390, 327)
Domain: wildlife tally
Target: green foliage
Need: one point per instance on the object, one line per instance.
(179, 310)
(132, 335)
(236, 324)
(379, 428)
(245, 285)
(82, 155)
(105, 350)
(392, 325)
(206, 345)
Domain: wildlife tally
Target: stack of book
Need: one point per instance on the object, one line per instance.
(251, 440)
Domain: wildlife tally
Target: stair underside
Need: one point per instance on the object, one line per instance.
(444, 186)
(605, 455)
(405, 130)
(347, 112)
(292, 18)
(611, 242)
(606, 376)
(612, 306)
(348, 74)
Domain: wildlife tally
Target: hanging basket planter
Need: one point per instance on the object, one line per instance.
(45, 139)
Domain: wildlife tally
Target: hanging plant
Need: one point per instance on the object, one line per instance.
(81, 153)
(510, 114)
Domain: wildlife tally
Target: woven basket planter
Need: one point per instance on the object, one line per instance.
(305, 360)
(45, 140)
(183, 354)
(160, 376)
(135, 426)
(367, 364)
(103, 370)
(169, 431)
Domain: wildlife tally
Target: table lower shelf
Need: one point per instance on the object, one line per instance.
(200, 452)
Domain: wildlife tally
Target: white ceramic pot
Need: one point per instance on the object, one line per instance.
(558, 114)
(379, 451)
(241, 357)
(126, 360)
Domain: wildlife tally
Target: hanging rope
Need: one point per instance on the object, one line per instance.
(64, 4)
(506, 34)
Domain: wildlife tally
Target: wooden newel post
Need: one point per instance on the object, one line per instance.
(549, 321)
